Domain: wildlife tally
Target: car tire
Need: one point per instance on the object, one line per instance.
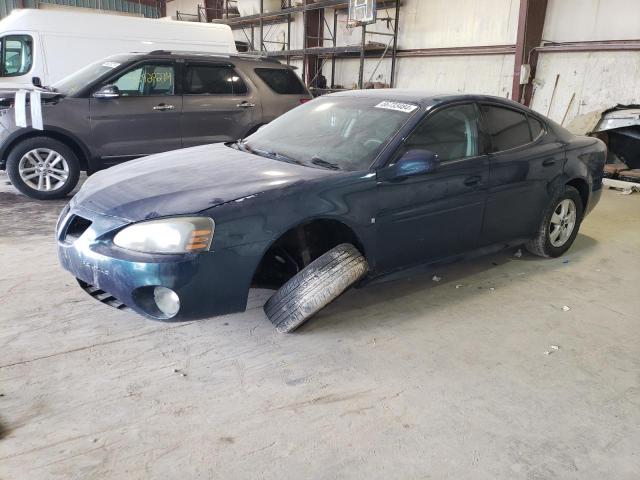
(554, 238)
(32, 157)
(314, 287)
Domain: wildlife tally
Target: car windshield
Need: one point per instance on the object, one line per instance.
(338, 133)
(89, 74)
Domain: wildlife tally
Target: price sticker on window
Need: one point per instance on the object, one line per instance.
(397, 106)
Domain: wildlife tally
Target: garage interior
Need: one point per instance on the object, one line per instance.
(503, 366)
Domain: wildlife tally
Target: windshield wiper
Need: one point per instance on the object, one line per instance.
(242, 145)
(323, 163)
(276, 156)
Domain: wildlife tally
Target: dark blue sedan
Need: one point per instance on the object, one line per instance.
(345, 189)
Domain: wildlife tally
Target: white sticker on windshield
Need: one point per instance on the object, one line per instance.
(397, 106)
(110, 64)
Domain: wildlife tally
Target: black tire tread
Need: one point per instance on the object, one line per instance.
(540, 245)
(315, 286)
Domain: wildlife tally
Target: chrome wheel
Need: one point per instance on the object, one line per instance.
(43, 169)
(563, 221)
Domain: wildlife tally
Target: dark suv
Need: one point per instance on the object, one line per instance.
(132, 105)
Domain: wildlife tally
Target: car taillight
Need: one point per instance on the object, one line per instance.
(304, 100)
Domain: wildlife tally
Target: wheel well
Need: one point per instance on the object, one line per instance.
(298, 247)
(69, 142)
(583, 189)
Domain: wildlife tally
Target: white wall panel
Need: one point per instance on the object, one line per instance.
(598, 79)
(589, 20)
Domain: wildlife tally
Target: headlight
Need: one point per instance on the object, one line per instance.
(168, 235)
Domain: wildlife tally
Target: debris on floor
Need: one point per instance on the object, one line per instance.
(459, 285)
(619, 128)
(436, 278)
(566, 308)
(552, 349)
(518, 254)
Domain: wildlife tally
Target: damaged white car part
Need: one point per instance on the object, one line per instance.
(35, 107)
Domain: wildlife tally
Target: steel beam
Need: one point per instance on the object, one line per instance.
(530, 26)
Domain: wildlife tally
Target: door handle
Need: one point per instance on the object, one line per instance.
(162, 107)
(246, 105)
(548, 162)
(471, 181)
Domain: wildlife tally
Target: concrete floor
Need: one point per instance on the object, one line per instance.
(406, 380)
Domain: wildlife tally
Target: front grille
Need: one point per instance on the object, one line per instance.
(102, 296)
(75, 228)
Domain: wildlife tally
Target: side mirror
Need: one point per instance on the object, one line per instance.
(108, 91)
(36, 82)
(412, 163)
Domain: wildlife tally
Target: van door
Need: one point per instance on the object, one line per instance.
(218, 104)
(143, 119)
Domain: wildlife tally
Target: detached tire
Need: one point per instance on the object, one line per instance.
(43, 168)
(313, 288)
(560, 224)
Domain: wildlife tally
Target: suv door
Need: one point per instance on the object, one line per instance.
(218, 104)
(522, 165)
(143, 119)
(439, 214)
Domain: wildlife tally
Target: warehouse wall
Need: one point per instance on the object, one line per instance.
(124, 6)
(595, 80)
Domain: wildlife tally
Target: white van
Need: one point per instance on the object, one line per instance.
(48, 45)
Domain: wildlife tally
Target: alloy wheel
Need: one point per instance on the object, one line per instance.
(43, 169)
(563, 222)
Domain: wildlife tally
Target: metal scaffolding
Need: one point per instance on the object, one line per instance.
(314, 53)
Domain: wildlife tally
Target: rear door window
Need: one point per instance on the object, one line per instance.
(537, 128)
(213, 80)
(150, 79)
(17, 55)
(507, 128)
(281, 80)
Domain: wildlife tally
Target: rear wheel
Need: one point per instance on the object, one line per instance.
(314, 287)
(43, 168)
(560, 224)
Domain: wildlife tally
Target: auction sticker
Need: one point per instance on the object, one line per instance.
(397, 106)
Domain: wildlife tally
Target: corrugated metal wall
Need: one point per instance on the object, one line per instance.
(113, 5)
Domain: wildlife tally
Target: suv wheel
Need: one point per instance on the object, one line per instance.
(43, 168)
(560, 224)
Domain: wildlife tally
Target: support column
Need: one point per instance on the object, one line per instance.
(530, 26)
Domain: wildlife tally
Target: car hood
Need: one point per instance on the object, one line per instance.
(186, 181)
(7, 95)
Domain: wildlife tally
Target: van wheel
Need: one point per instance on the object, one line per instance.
(43, 168)
(314, 287)
(560, 224)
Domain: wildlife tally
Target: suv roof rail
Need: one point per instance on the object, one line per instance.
(246, 56)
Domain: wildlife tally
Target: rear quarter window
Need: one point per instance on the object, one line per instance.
(281, 80)
(506, 127)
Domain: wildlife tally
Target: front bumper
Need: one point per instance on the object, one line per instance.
(208, 284)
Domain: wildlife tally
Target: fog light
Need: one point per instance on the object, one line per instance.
(166, 300)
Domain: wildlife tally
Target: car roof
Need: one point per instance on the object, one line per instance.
(423, 98)
(191, 55)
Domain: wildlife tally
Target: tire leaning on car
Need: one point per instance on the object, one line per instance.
(43, 168)
(314, 287)
(564, 212)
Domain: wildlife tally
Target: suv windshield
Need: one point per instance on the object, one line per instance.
(89, 74)
(343, 133)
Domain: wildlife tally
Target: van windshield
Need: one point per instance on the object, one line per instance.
(17, 55)
(89, 74)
